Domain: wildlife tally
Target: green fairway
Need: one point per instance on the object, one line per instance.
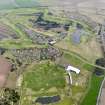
(44, 76)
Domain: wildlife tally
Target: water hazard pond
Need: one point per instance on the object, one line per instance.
(48, 100)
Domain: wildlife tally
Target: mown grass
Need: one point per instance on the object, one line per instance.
(44, 76)
(72, 59)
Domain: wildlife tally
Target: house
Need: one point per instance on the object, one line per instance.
(52, 42)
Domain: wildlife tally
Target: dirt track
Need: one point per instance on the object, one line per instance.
(5, 68)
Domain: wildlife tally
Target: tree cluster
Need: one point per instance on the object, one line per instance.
(9, 97)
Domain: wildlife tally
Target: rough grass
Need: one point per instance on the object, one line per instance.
(66, 101)
(91, 96)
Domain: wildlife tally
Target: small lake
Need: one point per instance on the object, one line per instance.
(48, 100)
(76, 36)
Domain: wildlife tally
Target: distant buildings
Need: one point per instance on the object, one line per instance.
(28, 55)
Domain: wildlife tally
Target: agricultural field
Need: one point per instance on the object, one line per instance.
(40, 45)
(7, 33)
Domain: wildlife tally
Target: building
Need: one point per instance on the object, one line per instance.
(71, 68)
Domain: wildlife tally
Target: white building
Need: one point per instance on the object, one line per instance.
(52, 42)
(71, 68)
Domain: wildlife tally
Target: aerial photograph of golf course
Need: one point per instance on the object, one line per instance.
(52, 52)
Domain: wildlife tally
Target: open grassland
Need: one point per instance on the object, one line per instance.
(86, 50)
(44, 76)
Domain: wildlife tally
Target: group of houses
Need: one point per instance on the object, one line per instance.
(39, 38)
(28, 55)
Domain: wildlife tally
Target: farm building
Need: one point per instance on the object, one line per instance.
(71, 68)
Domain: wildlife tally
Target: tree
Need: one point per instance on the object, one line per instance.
(14, 96)
(100, 62)
(9, 96)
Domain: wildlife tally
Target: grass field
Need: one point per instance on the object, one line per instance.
(44, 76)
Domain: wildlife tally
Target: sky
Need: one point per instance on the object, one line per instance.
(68, 3)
